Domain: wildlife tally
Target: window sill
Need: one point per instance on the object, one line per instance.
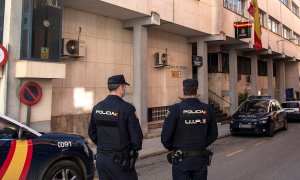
(34, 69)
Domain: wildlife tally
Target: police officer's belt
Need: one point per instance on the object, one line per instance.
(188, 153)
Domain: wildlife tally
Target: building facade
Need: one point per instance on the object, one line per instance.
(151, 42)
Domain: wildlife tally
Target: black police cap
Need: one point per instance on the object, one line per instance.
(190, 83)
(117, 79)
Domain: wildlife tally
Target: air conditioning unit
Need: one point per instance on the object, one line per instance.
(157, 60)
(73, 48)
(248, 79)
(164, 59)
(160, 60)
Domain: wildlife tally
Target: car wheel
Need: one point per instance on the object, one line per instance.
(271, 130)
(285, 127)
(64, 170)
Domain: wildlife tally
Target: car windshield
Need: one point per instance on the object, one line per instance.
(290, 105)
(254, 106)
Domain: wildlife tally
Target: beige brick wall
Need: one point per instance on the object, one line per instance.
(108, 51)
(163, 89)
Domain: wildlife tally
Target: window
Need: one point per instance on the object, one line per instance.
(235, 5)
(41, 30)
(273, 25)
(225, 63)
(262, 68)
(1, 19)
(295, 9)
(8, 130)
(244, 65)
(262, 16)
(286, 32)
(285, 2)
(213, 63)
(296, 38)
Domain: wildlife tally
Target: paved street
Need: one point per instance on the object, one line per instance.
(242, 157)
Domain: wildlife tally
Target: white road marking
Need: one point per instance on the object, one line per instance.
(235, 153)
(259, 143)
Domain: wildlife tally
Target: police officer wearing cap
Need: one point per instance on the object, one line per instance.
(188, 130)
(116, 131)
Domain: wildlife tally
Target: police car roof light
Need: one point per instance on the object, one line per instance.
(259, 97)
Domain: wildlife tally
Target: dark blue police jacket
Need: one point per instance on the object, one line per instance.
(190, 125)
(129, 119)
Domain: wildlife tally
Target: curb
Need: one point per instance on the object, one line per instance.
(153, 154)
(165, 150)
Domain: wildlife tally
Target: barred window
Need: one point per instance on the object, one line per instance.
(244, 65)
(262, 68)
(41, 30)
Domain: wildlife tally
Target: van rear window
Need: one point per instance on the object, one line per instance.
(290, 105)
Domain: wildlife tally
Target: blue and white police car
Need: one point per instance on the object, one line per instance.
(28, 154)
(258, 115)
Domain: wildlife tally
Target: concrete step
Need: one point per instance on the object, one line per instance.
(152, 133)
(155, 124)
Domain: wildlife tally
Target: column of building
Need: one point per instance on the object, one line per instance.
(254, 90)
(140, 47)
(233, 80)
(11, 39)
(202, 72)
(270, 77)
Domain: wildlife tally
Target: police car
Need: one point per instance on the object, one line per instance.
(258, 115)
(28, 154)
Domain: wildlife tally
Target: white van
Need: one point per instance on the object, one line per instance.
(292, 109)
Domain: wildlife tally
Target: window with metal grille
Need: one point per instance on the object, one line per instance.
(2, 5)
(262, 68)
(41, 30)
(158, 113)
(244, 65)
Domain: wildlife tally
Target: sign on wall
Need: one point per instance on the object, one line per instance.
(30, 93)
(242, 30)
(197, 61)
(3, 55)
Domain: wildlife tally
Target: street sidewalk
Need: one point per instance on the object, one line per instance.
(153, 146)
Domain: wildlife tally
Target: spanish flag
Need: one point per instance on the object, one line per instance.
(254, 11)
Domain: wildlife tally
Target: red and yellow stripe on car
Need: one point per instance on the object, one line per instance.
(17, 162)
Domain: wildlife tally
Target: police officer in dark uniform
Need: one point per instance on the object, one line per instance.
(188, 130)
(116, 131)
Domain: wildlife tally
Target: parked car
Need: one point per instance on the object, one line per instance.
(258, 115)
(28, 154)
(292, 109)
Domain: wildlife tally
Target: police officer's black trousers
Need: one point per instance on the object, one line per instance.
(107, 170)
(191, 168)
